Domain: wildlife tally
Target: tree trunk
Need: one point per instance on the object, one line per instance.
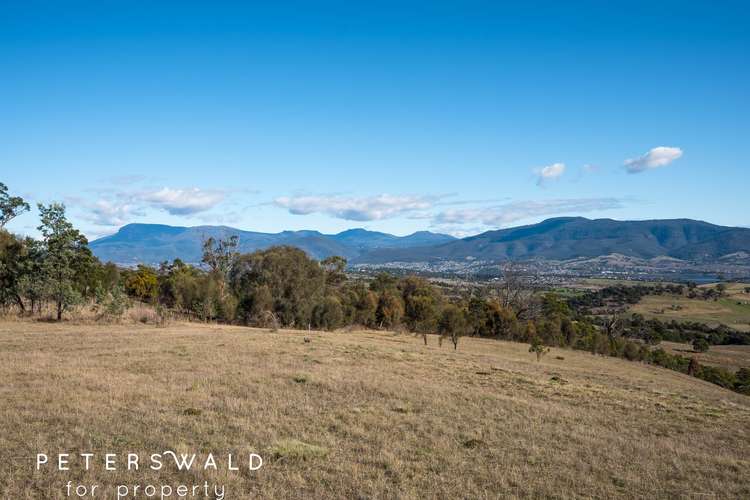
(59, 310)
(20, 303)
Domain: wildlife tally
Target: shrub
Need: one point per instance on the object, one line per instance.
(632, 351)
(115, 304)
(700, 344)
(538, 348)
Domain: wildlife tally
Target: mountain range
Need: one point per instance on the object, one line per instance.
(154, 243)
(559, 238)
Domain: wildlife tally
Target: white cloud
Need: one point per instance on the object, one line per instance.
(183, 201)
(502, 215)
(108, 213)
(379, 207)
(117, 208)
(549, 173)
(657, 157)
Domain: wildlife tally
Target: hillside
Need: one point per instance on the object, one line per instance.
(154, 243)
(365, 414)
(574, 237)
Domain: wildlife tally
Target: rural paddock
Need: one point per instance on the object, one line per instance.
(359, 414)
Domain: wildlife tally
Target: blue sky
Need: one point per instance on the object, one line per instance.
(394, 116)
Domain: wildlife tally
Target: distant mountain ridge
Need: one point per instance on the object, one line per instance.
(561, 238)
(565, 238)
(154, 243)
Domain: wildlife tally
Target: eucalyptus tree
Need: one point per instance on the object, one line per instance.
(10, 206)
(13, 262)
(65, 256)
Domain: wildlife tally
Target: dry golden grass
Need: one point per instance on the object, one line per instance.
(733, 290)
(732, 357)
(731, 311)
(88, 313)
(363, 415)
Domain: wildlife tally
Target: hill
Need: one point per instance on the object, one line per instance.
(567, 238)
(154, 243)
(362, 415)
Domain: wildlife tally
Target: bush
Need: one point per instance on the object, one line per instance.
(700, 344)
(115, 304)
(537, 347)
(632, 351)
(718, 376)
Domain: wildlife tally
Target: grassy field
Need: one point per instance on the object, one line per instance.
(362, 415)
(733, 311)
(735, 291)
(731, 357)
(596, 283)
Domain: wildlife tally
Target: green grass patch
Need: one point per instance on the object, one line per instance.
(293, 449)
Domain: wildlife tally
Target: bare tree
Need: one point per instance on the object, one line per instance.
(613, 325)
(515, 291)
(220, 256)
(268, 317)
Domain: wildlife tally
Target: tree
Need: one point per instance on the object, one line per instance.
(220, 256)
(390, 309)
(421, 314)
(64, 252)
(530, 331)
(334, 267)
(142, 283)
(515, 292)
(421, 304)
(693, 367)
(113, 302)
(359, 304)
(256, 306)
(479, 317)
(328, 314)
(569, 332)
(295, 284)
(33, 282)
(14, 252)
(538, 348)
(10, 206)
(13, 267)
(453, 323)
(613, 325)
(700, 344)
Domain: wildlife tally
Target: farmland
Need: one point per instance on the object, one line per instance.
(362, 414)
